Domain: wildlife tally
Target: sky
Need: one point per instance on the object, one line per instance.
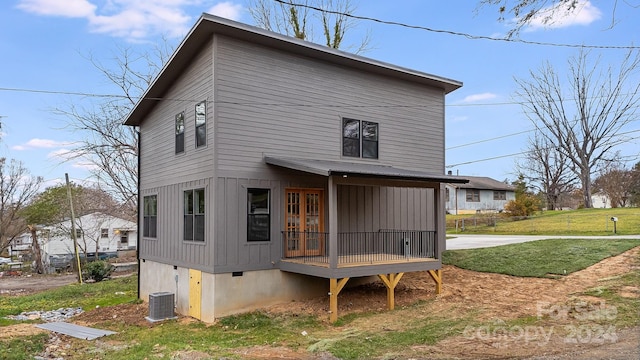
(45, 46)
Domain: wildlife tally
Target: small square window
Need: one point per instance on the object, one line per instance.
(359, 139)
(104, 233)
(499, 195)
(473, 195)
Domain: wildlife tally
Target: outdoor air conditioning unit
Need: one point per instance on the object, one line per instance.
(161, 306)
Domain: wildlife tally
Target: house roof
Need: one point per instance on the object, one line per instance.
(328, 168)
(485, 183)
(208, 25)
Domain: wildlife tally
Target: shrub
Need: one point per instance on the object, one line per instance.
(523, 205)
(98, 270)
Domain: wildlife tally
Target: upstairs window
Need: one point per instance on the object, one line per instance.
(104, 233)
(499, 195)
(359, 139)
(180, 133)
(473, 195)
(201, 124)
(258, 215)
(194, 207)
(150, 216)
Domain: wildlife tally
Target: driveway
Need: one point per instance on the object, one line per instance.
(472, 241)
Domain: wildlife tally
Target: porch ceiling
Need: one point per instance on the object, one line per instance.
(338, 168)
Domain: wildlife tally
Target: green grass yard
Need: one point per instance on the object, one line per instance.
(592, 222)
(544, 258)
(356, 335)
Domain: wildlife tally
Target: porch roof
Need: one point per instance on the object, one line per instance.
(329, 168)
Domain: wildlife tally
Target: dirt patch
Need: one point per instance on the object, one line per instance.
(25, 284)
(495, 298)
(19, 330)
(129, 314)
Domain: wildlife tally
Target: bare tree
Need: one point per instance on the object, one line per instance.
(547, 12)
(547, 169)
(17, 187)
(109, 146)
(294, 18)
(616, 183)
(587, 125)
(635, 185)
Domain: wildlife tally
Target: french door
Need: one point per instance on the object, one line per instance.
(304, 222)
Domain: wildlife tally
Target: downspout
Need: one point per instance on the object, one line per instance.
(138, 212)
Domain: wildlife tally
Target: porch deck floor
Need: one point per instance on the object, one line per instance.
(355, 260)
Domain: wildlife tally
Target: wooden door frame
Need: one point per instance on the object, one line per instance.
(302, 251)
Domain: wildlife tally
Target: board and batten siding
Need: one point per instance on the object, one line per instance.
(160, 165)
(169, 247)
(269, 102)
(232, 250)
(167, 174)
(375, 208)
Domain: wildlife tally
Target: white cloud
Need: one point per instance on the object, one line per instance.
(136, 20)
(558, 16)
(67, 8)
(227, 10)
(61, 154)
(133, 20)
(458, 119)
(479, 97)
(40, 144)
(86, 165)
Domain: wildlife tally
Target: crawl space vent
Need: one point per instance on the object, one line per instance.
(161, 306)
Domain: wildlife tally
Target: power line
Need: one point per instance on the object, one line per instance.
(491, 139)
(455, 33)
(58, 92)
(629, 157)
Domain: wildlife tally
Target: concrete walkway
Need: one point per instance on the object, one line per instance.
(472, 241)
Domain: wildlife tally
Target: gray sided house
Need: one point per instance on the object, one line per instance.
(273, 169)
(480, 194)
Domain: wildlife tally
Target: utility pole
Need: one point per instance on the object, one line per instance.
(73, 228)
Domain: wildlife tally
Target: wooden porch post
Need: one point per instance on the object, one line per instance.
(441, 220)
(332, 194)
(390, 281)
(335, 286)
(436, 275)
(441, 233)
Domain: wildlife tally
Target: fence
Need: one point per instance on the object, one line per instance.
(557, 224)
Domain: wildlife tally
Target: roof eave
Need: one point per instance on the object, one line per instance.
(209, 24)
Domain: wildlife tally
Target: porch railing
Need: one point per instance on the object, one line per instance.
(360, 247)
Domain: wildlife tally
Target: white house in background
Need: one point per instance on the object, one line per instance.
(96, 232)
(480, 194)
(600, 200)
(20, 245)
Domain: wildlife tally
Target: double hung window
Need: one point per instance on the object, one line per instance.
(180, 133)
(201, 124)
(194, 210)
(150, 216)
(258, 215)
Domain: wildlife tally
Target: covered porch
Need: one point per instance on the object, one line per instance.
(369, 220)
